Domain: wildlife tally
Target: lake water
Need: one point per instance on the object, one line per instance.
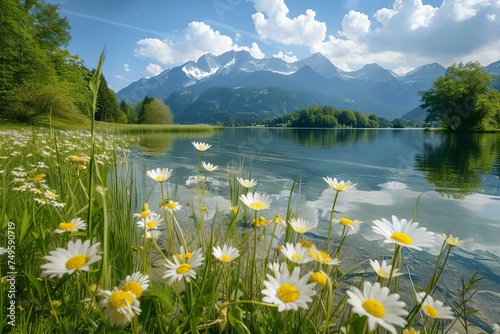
(455, 175)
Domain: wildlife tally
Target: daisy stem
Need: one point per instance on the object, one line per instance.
(397, 251)
(328, 242)
(180, 230)
(436, 275)
(50, 301)
(172, 244)
(91, 295)
(285, 313)
(254, 262)
(105, 242)
(271, 242)
(342, 238)
(330, 303)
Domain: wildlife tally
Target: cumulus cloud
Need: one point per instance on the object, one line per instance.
(288, 58)
(408, 34)
(194, 41)
(153, 69)
(126, 67)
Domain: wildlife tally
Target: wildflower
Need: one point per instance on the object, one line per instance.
(208, 166)
(78, 256)
(50, 195)
(288, 291)
(434, 308)
(152, 234)
(151, 222)
(451, 240)
(277, 219)
(201, 146)
(275, 267)
(145, 212)
(260, 221)
(170, 205)
(256, 201)
(246, 183)
(135, 283)
(83, 160)
(319, 277)
(404, 233)
(36, 178)
(297, 253)
(226, 254)
(74, 225)
(120, 306)
(322, 257)
(410, 331)
(302, 226)
(305, 243)
(378, 305)
(177, 270)
(384, 270)
(339, 186)
(100, 189)
(347, 222)
(159, 174)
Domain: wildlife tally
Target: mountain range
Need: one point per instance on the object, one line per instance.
(236, 88)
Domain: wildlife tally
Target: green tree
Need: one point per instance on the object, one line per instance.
(130, 112)
(347, 118)
(108, 109)
(462, 99)
(155, 112)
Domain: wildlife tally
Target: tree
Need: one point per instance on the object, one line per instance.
(462, 99)
(129, 111)
(108, 109)
(156, 112)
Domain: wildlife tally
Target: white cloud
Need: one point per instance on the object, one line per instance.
(287, 58)
(194, 41)
(153, 69)
(272, 22)
(126, 67)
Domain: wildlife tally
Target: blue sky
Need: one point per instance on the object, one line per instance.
(142, 38)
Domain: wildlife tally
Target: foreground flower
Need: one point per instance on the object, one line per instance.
(208, 166)
(120, 306)
(246, 183)
(322, 257)
(319, 277)
(170, 205)
(135, 283)
(201, 146)
(260, 221)
(384, 270)
(159, 174)
(347, 222)
(434, 308)
(339, 186)
(144, 213)
(256, 201)
(151, 222)
(177, 270)
(288, 291)
(74, 225)
(378, 305)
(302, 226)
(297, 253)
(404, 233)
(78, 256)
(226, 254)
(451, 240)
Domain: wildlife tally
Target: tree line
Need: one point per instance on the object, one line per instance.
(39, 77)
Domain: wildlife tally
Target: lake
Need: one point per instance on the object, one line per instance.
(457, 177)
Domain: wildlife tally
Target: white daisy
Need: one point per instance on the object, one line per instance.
(302, 226)
(151, 222)
(451, 240)
(208, 166)
(120, 306)
(347, 222)
(201, 146)
(135, 283)
(288, 291)
(74, 225)
(256, 201)
(434, 308)
(246, 183)
(378, 305)
(339, 186)
(297, 253)
(78, 256)
(275, 267)
(319, 277)
(177, 270)
(159, 174)
(152, 234)
(322, 257)
(384, 270)
(226, 254)
(404, 233)
(170, 205)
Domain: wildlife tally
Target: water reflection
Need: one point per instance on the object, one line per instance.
(160, 143)
(456, 164)
(321, 138)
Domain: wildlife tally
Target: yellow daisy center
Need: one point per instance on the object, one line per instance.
(288, 293)
(144, 214)
(183, 268)
(172, 205)
(225, 258)
(67, 226)
(319, 278)
(119, 299)
(296, 257)
(305, 243)
(300, 229)
(76, 262)
(402, 238)
(133, 287)
(151, 224)
(257, 206)
(37, 178)
(324, 256)
(431, 311)
(374, 307)
(159, 178)
(51, 195)
(383, 273)
(345, 221)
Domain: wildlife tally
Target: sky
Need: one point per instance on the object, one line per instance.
(143, 38)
